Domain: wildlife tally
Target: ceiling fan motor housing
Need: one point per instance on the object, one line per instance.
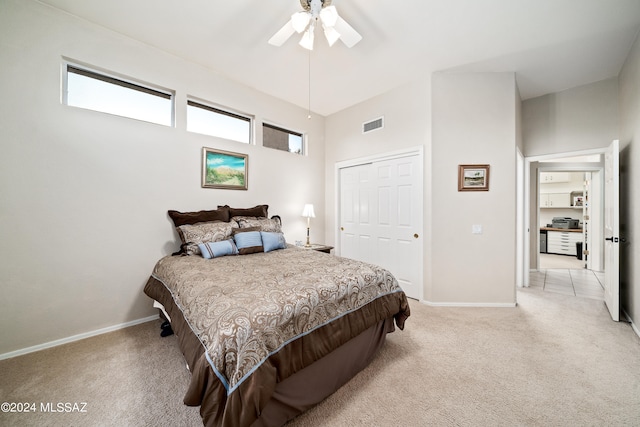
(308, 5)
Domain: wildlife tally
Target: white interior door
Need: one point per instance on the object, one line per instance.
(612, 230)
(398, 245)
(356, 193)
(381, 217)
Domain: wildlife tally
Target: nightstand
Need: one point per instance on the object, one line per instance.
(320, 248)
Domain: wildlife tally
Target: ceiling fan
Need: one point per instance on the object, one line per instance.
(317, 11)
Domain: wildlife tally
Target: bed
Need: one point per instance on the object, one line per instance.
(268, 333)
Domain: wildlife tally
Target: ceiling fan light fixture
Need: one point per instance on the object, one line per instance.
(331, 35)
(307, 38)
(300, 21)
(329, 16)
(314, 12)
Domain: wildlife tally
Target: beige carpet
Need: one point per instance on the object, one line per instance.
(554, 360)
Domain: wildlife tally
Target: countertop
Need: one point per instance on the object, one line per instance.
(572, 230)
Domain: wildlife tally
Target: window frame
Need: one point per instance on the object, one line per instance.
(117, 80)
(302, 135)
(222, 110)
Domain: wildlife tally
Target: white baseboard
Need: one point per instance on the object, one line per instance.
(470, 304)
(76, 337)
(635, 328)
(633, 325)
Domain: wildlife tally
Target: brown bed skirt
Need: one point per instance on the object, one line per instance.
(311, 385)
(292, 395)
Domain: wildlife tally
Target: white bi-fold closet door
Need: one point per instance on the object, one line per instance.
(381, 217)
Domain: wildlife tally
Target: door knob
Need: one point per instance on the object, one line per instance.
(415, 236)
(341, 228)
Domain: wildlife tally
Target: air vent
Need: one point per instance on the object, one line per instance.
(373, 125)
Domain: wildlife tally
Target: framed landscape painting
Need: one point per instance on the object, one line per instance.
(223, 169)
(473, 177)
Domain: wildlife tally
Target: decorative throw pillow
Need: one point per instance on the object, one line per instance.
(246, 218)
(260, 210)
(272, 241)
(203, 232)
(243, 230)
(182, 218)
(217, 249)
(248, 242)
(263, 224)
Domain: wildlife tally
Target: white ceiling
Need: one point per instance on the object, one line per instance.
(552, 45)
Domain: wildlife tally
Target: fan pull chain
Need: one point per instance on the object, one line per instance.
(309, 111)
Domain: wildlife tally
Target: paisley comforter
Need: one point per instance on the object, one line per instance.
(262, 317)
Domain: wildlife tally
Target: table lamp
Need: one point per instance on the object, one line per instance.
(308, 213)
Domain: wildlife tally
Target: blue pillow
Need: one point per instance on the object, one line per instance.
(217, 249)
(272, 241)
(248, 242)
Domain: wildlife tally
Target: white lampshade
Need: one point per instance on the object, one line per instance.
(307, 38)
(329, 16)
(308, 212)
(300, 20)
(331, 34)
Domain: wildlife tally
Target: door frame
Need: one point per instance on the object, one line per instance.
(390, 155)
(521, 183)
(527, 200)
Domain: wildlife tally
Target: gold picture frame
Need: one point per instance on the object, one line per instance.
(224, 169)
(473, 177)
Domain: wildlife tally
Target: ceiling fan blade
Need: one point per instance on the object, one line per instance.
(348, 35)
(282, 35)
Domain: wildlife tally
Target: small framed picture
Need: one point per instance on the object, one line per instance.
(473, 177)
(223, 169)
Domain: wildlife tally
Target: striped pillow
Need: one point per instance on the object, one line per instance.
(210, 250)
(248, 242)
(272, 241)
(203, 232)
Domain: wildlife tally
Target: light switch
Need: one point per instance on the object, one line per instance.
(476, 229)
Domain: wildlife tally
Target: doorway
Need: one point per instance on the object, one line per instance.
(578, 161)
(569, 213)
(605, 237)
(590, 164)
(567, 209)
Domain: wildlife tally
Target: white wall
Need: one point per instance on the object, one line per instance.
(487, 134)
(629, 95)
(581, 118)
(474, 122)
(84, 195)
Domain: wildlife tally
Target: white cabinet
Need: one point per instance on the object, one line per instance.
(563, 242)
(555, 200)
(553, 177)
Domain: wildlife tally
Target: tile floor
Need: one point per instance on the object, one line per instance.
(577, 282)
(560, 261)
